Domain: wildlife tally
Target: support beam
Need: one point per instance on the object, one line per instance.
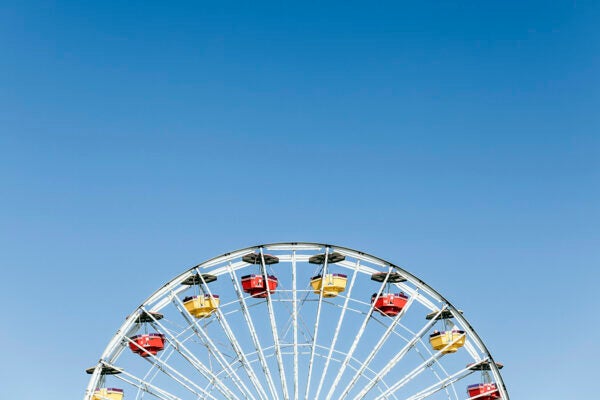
(357, 338)
(253, 334)
(398, 357)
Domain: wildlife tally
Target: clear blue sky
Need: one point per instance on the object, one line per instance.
(460, 139)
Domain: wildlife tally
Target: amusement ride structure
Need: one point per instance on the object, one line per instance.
(296, 321)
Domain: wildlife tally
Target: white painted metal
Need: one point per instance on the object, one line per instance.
(398, 357)
(416, 371)
(173, 373)
(376, 349)
(145, 386)
(168, 369)
(253, 334)
(237, 364)
(316, 328)
(357, 338)
(295, 323)
(337, 329)
(235, 345)
(214, 350)
(282, 377)
(442, 384)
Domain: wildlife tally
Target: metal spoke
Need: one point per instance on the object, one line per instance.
(274, 328)
(253, 334)
(316, 327)
(237, 349)
(442, 384)
(214, 350)
(295, 323)
(337, 329)
(188, 356)
(171, 372)
(145, 386)
(357, 338)
(153, 372)
(396, 359)
(419, 369)
(376, 349)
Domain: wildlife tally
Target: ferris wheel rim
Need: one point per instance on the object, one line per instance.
(291, 246)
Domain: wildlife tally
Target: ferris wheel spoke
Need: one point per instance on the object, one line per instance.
(338, 328)
(306, 332)
(468, 346)
(357, 338)
(274, 329)
(171, 372)
(153, 372)
(399, 356)
(295, 323)
(424, 356)
(149, 388)
(418, 370)
(187, 355)
(419, 297)
(402, 286)
(442, 384)
(253, 334)
(382, 340)
(350, 366)
(316, 326)
(439, 365)
(236, 348)
(289, 324)
(146, 386)
(213, 349)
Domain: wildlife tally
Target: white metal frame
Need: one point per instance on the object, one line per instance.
(243, 369)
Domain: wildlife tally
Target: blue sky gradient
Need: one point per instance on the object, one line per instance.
(459, 139)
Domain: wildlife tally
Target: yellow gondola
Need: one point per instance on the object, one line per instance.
(108, 394)
(333, 284)
(453, 339)
(201, 306)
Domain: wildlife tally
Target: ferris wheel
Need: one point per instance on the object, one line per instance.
(296, 321)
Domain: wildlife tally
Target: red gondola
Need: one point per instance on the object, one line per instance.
(389, 304)
(484, 391)
(255, 285)
(149, 343)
